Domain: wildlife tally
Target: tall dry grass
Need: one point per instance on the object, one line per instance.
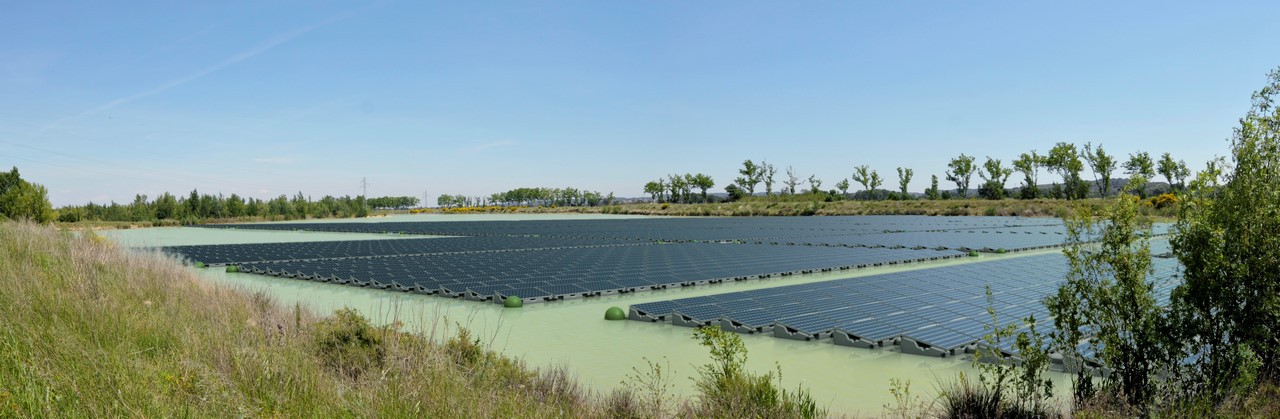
(89, 330)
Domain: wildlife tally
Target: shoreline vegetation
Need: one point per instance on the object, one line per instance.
(93, 330)
(801, 205)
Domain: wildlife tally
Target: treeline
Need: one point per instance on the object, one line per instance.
(1065, 160)
(393, 202)
(197, 208)
(679, 188)
(564, 197)
(20, 199)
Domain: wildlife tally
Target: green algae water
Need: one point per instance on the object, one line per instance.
(602, 354)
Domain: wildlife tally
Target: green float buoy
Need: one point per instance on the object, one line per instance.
(199, 264)
(615, 313)
(233, 268)
(513, 302)
(973, 254)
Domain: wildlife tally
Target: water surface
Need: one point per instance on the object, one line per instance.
(602, 354)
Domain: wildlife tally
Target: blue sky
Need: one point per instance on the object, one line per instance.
(102, 101)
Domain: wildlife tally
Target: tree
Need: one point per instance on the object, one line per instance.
(734, 192)
(768, 172)
(1029, 165)
(751, 174)
(792, 180)
(932, 192)
(653, 188)
(862, 175)
(1102, 165)
(1108, 301)
(960, 172)
(843, 186)
(904, 178)
(1065, 160)
(1175, 173)
(702, 182)
(1140, 168)
(876, 181)
(994, 179)
(21, 200)
(1227, 243)
(815, 184)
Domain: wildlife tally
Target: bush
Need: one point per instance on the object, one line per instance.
(965, 399)
(1164, 200)
(349, 345)
(726, 389)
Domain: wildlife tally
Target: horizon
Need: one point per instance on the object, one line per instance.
(108, 102)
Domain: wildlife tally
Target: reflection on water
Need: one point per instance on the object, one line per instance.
(574, 333)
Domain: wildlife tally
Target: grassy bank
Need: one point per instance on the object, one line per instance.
(91, 330)
(761, 206)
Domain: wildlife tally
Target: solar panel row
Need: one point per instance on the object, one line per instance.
(968, 233)
(935, 311)
(223, 254)
(572, 272)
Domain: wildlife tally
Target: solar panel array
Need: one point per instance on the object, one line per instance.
(223, 254)
(557, 259)
(918, 232)
(935, 311)
(572, 272)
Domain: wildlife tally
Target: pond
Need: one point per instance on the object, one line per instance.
(601, 354)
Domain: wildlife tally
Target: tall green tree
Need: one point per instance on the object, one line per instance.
(20, 199)
(1102, 165)
(876, 181)
(767, 173)
(1140, 168)
(932, 192)
(843, 186)
(655, 189)
(1174, 172)
(868, 178)
(994, 179)
(751, 175)
(1064, 159)
(961, 172)
(679, 188)
(1029, 165)
(1108, 301)
(703, 183)
(904, 178)
(1226, 240)
(815, 184)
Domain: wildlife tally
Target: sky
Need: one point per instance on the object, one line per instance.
(100, 101)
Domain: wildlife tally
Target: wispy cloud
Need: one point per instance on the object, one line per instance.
(496, 145)
(232, 60)
(273, 160)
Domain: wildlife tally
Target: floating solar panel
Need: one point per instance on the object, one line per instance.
(913, 232)
(573, 272)
(935, 311)
(222, 254)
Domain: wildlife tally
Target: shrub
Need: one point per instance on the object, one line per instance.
(1164, 200)
(726, 389)
(348, 344)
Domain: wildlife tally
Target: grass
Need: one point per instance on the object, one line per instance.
(93, 331)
